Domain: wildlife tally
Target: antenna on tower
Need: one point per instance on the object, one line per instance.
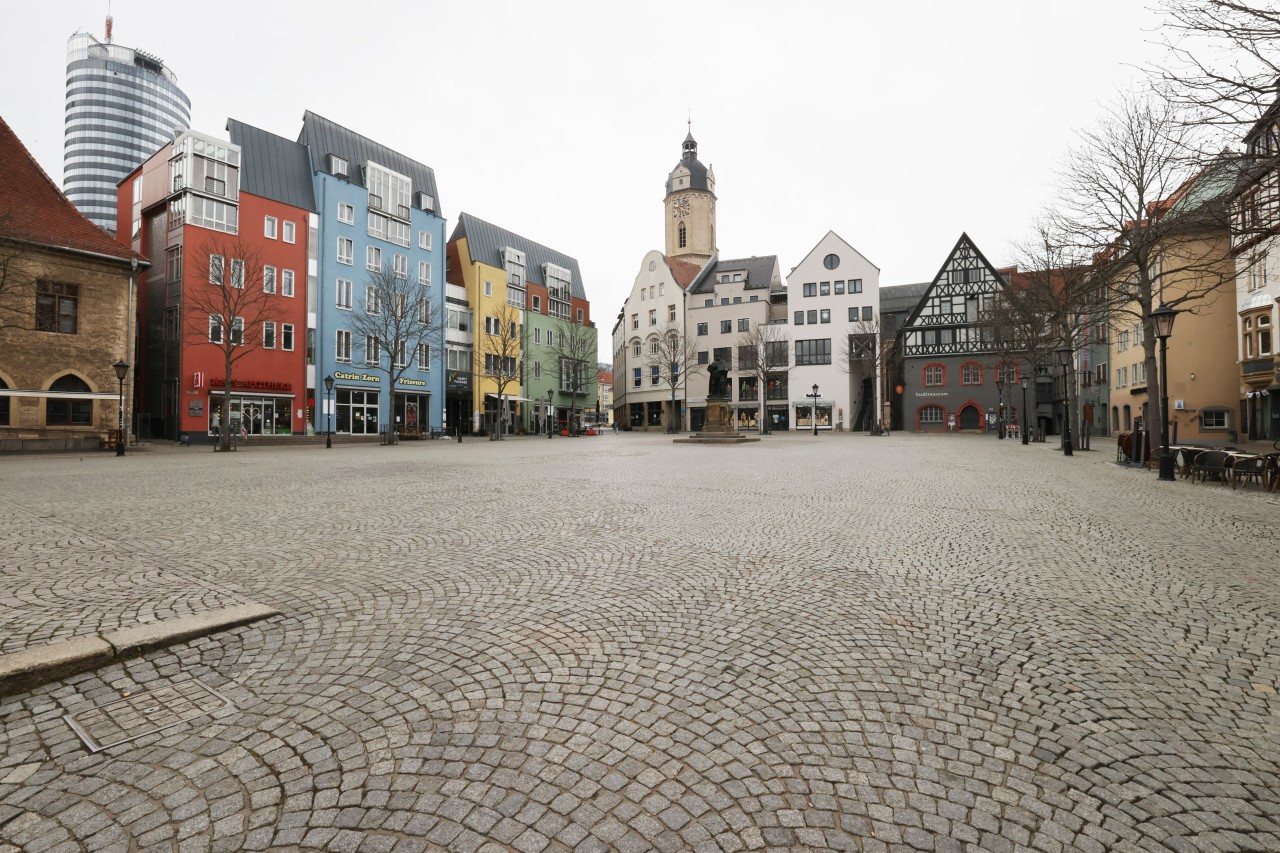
(108, 21)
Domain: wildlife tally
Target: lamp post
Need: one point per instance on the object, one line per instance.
(1064, 360)
(1025, 438)
(813, 412)
(1163, 318)
(122, 370)
(1000, 402)
(550, 413)
(328, 393)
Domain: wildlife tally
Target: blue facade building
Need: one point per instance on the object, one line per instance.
(378, 210)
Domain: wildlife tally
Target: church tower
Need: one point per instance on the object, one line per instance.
(690, 207)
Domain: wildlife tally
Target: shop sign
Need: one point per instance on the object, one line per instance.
(356, 377)
(417, 383)
(458, 380)
(195, 408)
(261, 384)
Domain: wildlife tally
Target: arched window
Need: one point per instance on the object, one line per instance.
(653, 345)
(684, 236)
(1115, 418)
(635, 347)
(68, 411)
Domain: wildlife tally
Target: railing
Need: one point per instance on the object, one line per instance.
(1257, 365)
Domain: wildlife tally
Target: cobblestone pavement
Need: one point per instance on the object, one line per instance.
(849, 643)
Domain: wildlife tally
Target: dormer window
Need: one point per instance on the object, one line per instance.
(337, 166)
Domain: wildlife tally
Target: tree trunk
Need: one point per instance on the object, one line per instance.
(226, 403)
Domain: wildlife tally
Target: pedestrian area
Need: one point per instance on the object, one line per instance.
(939, 643)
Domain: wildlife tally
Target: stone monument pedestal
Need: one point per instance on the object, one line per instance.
(717, 427)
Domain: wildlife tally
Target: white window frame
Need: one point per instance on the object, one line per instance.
(424, 356)
(217, 269)
(286, 335)
(237, 273)
(400, 266)
(346, 213)
(424, 240)
(371, 305)
(268, 279)
(344, 288)
(424, 273)
(289, 231)
(488, 288)
(348, 256)
(215, 328)
(269, 334)
(237, 332)
(286, 283)
(372, 350)
(400, 353)
(269, 227)
(342, 346)
(373, 258)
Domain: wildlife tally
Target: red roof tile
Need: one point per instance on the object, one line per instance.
(36, 210)
(683, 272)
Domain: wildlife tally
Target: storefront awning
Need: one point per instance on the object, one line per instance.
(510, 397)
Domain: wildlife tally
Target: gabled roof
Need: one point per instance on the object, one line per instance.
(759, 273)
(273, 167)
(328, 137)
(485, 242)
(937, 279)
(33, 209)
(846, 243)
(900, 298)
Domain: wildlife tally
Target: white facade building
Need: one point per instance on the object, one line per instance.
(833, 303)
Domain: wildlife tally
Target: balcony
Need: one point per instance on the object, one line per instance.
(1257, 370)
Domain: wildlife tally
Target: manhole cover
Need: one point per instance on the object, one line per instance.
(145, 713)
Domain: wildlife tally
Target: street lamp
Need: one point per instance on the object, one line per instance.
(1163, 318)
(1025, 438)
(1000, 402)
(1064, 361)
(813, 412)
(122, 370)
(550, 412)
(328, 390)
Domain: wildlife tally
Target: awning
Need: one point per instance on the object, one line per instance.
(510, 397)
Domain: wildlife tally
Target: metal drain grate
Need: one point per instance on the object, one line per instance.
(146, 713)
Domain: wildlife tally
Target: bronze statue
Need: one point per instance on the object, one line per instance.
(718, 384)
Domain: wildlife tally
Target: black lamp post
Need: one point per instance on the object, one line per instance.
(122, 370)
(328, 390)
(1000, 402)
(813, 413)
(1025, 438)
(1163, 318)
(1064, 360)
(551, 421)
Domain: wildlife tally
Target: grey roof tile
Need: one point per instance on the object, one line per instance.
(273, 167)
(485, 242)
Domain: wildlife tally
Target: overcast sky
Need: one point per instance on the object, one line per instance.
(897, 125)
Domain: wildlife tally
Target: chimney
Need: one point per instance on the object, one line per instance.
(108, 29)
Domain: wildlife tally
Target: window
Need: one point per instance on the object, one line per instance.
(811, 288)
(269, 335)
(337, 166)
(344, 293)
(269, 227)
(424, 273)
(580, 315)
(853, 313)
(683, 236)
(1213, 419)
(537, 304)
(286, 282)
(811, 316)
(653, 346)
(653, 316)
(57, 307)
(215, 328)
(388, 191)
(400, 264)
(1258, 271)
(371, 301)
(971, 374)
(839, 288)
(1264, 341)
(654, 375)
(816, 351)
(726, 326)
(424, 356)
(289, 233)
(824, 315)
(1122, 377)
(702, 356)
(635, 321)
(855, 285)
(744, 324)
(268, 279)
(1100, 374)
(671, 313)
(635, 377)
(346, 250)
(286, 337)
(346, 213)
(371, 349)
(68, 411)
(635, 349)
(237, 273)
(237, 332)
(1122, 341)
(935, 374)
(391, 230)
(661, 287)
(342, 347)
(931, 414)
(799, 320)
(702, 328)
(867, 314)
(216, 265)
(424, 240)
(824, 288)
(401, 354)
(372, 258)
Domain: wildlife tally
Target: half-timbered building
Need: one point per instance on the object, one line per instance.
(950, 362)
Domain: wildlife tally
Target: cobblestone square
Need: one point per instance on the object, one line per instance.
(942, 643)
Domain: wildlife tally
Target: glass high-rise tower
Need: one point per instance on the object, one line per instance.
(122, 105)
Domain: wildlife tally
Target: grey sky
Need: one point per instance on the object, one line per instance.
(897, 125)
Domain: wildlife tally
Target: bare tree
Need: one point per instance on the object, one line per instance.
(573, 346)
(764, 351)
(1146, 213)
(225, 301)
(497, 353)
(676, 357)
(400, 323)
(865, 353)
(17, 302)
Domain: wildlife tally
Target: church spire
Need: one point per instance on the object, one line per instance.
(689, 151)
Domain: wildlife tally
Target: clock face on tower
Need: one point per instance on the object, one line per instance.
(680, 207)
